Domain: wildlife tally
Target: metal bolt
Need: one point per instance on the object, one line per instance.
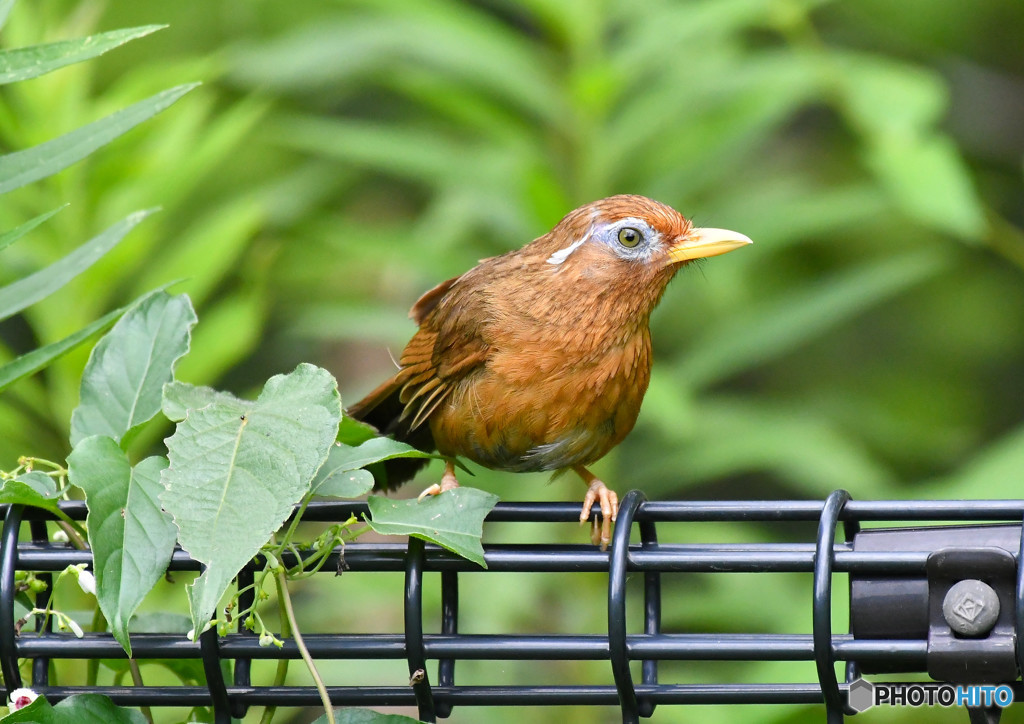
(971, 607)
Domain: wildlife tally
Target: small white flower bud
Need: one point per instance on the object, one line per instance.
(20, 698)
(87, 581)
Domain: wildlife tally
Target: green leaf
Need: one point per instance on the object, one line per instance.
(994, 472)
(341, 481)
(33, 488)
(24, 63)
(23, 167)
(132, 539)
(9, 237)
(931, 182)
(27, 291)
(883, 96)
(353, 432)
(122, 385)
(31, 362)
(374, 450)
(76, 709)
(5, 8)
(180, 397)
(365, 716)
(237, 468)
(453, 519)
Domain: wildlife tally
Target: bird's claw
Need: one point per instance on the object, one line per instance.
(434, 489)
(448, 482)
(600, 532)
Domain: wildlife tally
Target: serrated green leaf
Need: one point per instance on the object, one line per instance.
(365, 716)
(9, 237)
(33, 488)
(76, 709)
(453, 520)
(132, 539)
(180, 397)
(122, 385)
(341, 482)
(24, 63)
(23, 167)
(27, 291)
(353, 432)
(237, 468)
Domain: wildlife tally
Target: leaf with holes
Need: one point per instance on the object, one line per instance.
(237, 468)
(180, 397)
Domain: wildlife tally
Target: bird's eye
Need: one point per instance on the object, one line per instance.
(630, 237)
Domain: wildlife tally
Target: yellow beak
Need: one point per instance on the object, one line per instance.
(700, 243)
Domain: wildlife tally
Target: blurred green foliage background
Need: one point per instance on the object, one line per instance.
(344, 156)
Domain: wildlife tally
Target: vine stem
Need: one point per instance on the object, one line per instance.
(286, 600)
(133, 666)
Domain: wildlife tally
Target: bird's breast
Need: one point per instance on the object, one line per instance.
(546, 401)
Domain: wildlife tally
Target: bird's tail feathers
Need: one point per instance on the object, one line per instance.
(383, 409)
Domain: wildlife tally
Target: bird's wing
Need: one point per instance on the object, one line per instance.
(447, 347)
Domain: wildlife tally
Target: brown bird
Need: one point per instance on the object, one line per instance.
(538, 359)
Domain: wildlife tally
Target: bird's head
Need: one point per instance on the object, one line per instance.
(634, 230)
(631, 244)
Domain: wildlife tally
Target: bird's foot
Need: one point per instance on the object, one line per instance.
(448, 482)
(598, 492)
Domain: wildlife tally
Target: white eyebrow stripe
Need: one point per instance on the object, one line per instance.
(562, 254)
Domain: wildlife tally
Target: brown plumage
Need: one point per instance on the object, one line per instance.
(538, 359)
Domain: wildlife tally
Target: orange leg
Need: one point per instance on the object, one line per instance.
(448, 482)
(598, 491)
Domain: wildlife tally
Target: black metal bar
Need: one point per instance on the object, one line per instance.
(774, 693)
(41, 666)
(8, 566)
(850, 530)
(243, 665)
(1018, 611)
(897, 553)
(449, 627)
(665, 558)
(485, 647)
(686, 511)
(414, 648)
(617, 648)
(822, 617)
(208, 648)
(652, 615)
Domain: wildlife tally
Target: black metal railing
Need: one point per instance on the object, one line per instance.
(896, 575)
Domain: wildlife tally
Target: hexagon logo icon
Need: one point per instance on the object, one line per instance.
(861, 696)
